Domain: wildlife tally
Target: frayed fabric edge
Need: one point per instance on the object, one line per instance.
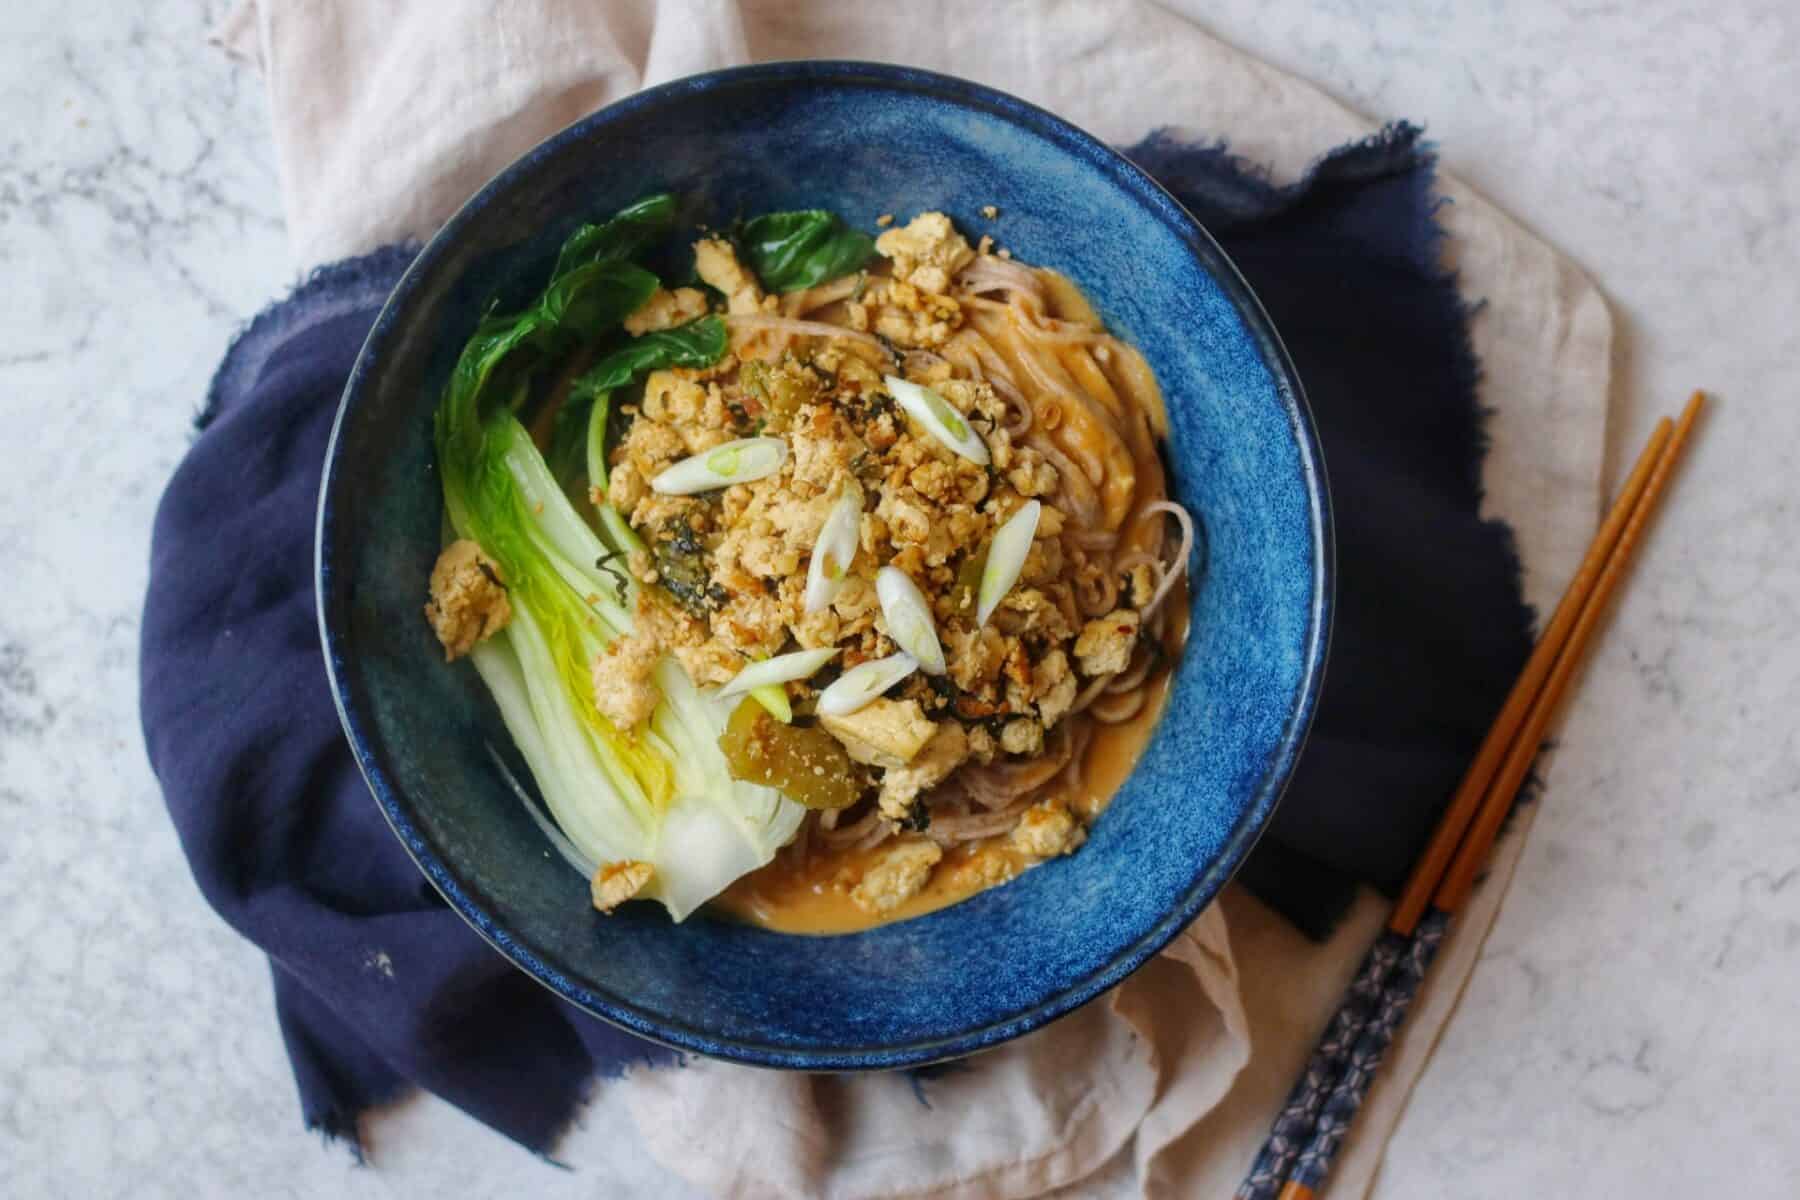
(332, 290)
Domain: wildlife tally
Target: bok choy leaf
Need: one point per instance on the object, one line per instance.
(697, 344)
(794, 250)
(660, 793)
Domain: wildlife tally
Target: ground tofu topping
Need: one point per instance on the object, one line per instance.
(732, 563)
(468, 601)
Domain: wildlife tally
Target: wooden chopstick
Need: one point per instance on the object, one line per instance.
(1459, 878)
(1498, 795)
(1429, 870)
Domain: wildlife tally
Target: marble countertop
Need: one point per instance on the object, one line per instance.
(1632, 1017)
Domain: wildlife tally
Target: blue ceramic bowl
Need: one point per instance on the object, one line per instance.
(861, 140)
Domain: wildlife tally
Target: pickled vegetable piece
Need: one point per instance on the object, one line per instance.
(805, 764)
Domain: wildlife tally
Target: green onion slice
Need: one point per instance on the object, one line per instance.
(741, 461)
(940, 418)
(835, 549)
(1006, 558)
(781, 669)
(909, 619)
(863, 683)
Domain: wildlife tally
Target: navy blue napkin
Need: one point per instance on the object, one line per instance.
(286, 844)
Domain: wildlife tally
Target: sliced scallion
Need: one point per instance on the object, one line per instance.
(940, 419)
(741, 461)
(773, 698)
(864, 683)
(1005, 559)
(909, 618)
(835, 549)
(781, 669)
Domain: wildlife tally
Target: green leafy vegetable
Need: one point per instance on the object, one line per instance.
(697, 344)
(794, 250)
(581, 302)
(628, 232)
(661, 793)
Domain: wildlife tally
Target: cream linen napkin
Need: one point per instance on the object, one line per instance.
(387, 116)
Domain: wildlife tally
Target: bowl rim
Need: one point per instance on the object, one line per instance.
(1207, 882)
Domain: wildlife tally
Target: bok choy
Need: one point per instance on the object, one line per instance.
(794, 250)
(661, 793)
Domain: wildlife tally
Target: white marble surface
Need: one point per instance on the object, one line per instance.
(1630, 1030)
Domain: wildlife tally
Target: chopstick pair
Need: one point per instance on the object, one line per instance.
(1303, 1142)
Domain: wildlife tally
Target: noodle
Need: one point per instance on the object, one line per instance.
(1179, 567)
(1132, 678)
(856, 832)
(967, 827)
(1060, 333)
(1085, 698)
(883, 830)
(1096, 588)
(997, 783)
(1074, 492)
(769, 323)
(989, 273)
(798, 304)
(1114, 709)
(798, 849)
(1096, 539)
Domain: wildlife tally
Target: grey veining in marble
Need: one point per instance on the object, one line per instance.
(1632, 1020)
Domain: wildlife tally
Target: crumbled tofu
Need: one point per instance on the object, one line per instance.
(624, 488)
(666, 309)
(1022, 736)
(856, 606)
(623, 689)
(823, 447)
(615, 883)
(1143, 584)
(1054, 685)
(990, 211)
(908, 520)
(976, 655)
(897, 876)
(1038, 614)
(927, 252)
(468, 601)
(716, 263)
(884, 733)
(915, 315)
(671, 399)
(901, 786)
(751, 622)
(1105, 644)
(984, 869)
(981, 744)
(1046, 830)
(770, 539)
(650, 447)
(884, 220)
(1031, 475)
